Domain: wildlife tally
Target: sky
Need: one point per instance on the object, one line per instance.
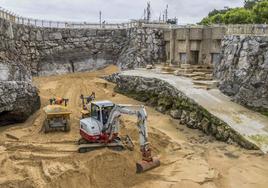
(114, 11)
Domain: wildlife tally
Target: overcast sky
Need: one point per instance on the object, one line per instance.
(187, 11)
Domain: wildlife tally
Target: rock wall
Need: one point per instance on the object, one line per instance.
(28, 50)
(18, 97)
(145, 46)
(167, 99)
(243, 70)
(49, 51)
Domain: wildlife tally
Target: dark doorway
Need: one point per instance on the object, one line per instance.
(194, 57)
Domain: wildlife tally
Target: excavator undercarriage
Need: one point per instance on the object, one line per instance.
(118, 144)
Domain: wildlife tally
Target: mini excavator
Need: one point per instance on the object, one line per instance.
(101, 130)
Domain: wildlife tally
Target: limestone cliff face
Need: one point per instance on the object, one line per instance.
(145, 46)
(18, 97)
(243, 70)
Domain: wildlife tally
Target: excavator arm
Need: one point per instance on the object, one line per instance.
(148, 162)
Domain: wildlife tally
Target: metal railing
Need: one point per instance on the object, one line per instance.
(14, 18)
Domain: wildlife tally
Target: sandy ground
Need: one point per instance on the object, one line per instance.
(30, 158)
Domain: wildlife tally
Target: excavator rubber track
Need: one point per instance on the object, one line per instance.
(83, 148)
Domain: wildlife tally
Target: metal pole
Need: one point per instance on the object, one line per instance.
(166, 13)
(148, 11)
(100, 18)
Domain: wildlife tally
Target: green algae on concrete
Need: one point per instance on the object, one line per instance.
(260, 139)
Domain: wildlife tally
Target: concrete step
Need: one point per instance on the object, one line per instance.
(167, 72)
(212, 83)
(202, 87)
(200, 73)
(202, 66)
(201, 78)
(203, 70)
(168, 69)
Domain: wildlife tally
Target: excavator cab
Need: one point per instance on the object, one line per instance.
(101, 110)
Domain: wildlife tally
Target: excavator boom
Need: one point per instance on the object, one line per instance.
(148, 162)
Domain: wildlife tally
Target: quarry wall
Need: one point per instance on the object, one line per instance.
(49, 51)
(243, 70)
(18, 97)
(27, 50)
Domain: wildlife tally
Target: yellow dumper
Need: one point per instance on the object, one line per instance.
(57, 115)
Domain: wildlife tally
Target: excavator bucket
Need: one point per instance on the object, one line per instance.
(147, 165)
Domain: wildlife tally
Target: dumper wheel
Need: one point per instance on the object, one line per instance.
(47, 127)
(67, 127)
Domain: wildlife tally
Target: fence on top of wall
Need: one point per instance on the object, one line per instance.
(14, 18)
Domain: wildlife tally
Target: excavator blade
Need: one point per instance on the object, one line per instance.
(145, 165)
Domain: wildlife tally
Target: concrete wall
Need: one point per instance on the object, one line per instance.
(202, 41)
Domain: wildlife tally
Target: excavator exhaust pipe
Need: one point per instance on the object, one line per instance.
(147, 165)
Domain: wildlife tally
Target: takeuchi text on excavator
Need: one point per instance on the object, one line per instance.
(101, 130)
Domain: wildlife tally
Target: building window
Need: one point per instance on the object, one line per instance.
(183, 58)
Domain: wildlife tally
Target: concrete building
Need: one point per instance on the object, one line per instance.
(202, 44)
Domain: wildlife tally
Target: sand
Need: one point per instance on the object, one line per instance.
(30, 158)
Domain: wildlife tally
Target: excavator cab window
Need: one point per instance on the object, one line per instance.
(95, 112)
(106, 113)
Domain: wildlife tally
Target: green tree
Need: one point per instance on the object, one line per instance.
(206, 21)
(238, 16)
(254, 11)
(260, 12)
(217, 19)
(215, 11)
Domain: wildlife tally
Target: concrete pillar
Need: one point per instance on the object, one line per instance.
(172, 46)
(200, 58)
(188, 45)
